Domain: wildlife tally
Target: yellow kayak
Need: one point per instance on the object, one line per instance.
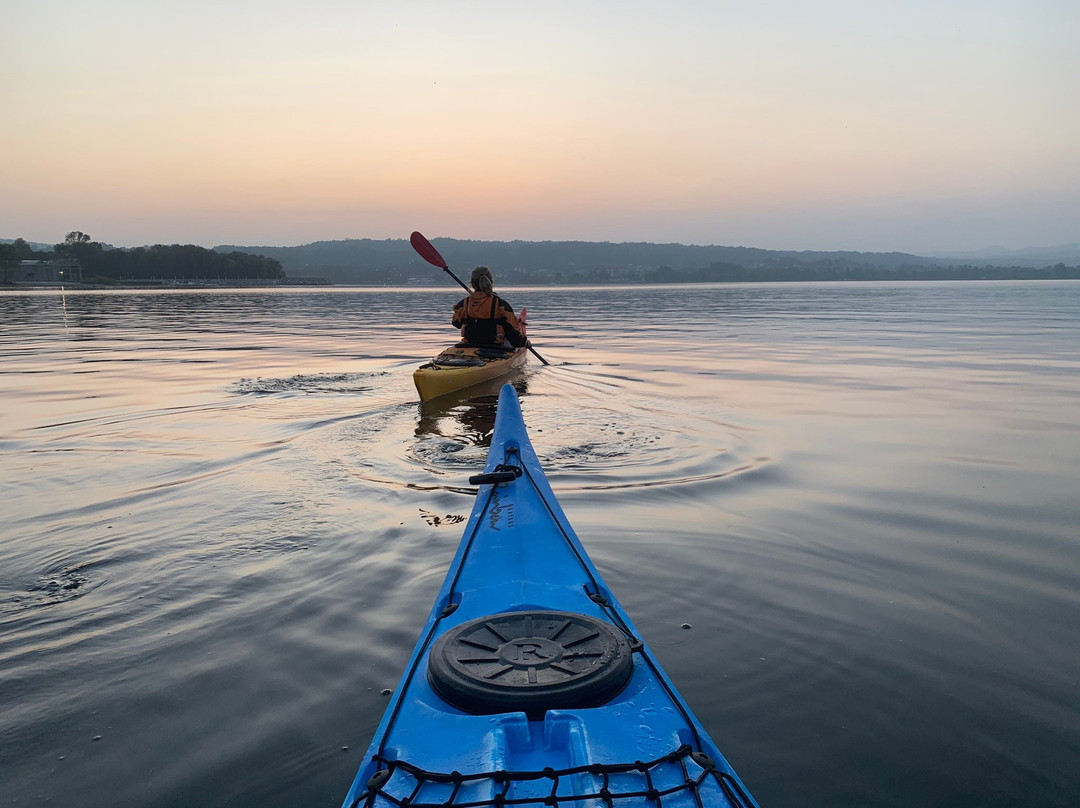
(459, 367)
(463, 365)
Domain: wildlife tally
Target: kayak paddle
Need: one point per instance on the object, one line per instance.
(431, 255)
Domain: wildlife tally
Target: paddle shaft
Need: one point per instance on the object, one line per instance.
(432, 256)
(461, 283)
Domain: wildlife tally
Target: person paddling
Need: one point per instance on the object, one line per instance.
(485, 319)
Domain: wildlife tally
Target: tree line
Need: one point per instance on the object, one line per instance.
(103, 263)
(392, 262)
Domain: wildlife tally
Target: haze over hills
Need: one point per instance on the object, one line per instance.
(1068, 254)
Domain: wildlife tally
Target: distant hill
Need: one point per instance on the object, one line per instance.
(36, 246)
(1068, 254)
(393, 261)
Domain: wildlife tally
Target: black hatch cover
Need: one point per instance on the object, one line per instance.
(530, 662)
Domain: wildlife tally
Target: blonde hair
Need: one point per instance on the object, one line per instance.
(481, 280)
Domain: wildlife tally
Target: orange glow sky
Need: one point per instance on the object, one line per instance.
(914, 126)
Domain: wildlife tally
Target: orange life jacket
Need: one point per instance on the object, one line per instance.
(487, 320)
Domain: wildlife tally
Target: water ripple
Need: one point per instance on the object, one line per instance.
(860, 498)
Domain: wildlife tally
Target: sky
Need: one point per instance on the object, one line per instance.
(843, 124)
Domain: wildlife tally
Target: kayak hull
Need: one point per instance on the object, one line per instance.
(439, 377)
(529, 684)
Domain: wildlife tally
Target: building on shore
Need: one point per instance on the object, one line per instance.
(57, 270)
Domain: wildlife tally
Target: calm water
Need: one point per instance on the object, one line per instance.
(225, 518)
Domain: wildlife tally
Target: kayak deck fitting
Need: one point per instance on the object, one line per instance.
(529, 685)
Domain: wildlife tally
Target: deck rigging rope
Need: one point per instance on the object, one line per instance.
(687, 770)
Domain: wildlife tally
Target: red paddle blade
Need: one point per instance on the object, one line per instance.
(426, 251)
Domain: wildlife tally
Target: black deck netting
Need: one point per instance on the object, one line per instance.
(683, 772)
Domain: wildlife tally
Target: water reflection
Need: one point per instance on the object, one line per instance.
(468, 415)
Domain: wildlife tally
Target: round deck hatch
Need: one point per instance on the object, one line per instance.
(531, 662)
